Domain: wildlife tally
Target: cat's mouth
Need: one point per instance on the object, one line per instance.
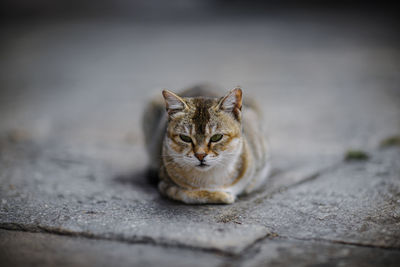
(202, 165)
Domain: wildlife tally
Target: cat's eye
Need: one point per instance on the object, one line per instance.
(185, 138)
(216, 137)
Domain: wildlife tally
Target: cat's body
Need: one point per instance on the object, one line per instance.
(206, 149)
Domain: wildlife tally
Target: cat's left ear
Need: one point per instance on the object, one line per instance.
(232, 102)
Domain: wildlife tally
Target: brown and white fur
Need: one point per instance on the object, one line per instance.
(196, 169)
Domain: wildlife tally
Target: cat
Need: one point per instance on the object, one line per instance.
(206, 149)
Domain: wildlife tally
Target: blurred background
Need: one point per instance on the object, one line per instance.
(326, 73)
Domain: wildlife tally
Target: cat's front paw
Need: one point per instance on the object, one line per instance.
(222, 197)
(195, 196)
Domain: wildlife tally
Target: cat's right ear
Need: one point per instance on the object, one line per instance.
(173, 103)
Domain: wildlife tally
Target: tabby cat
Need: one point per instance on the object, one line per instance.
(206, 149)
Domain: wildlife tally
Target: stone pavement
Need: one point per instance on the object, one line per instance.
(74, 190)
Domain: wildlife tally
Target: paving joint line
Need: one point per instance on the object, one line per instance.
(309, 178)
(145, 240)
(342, 242)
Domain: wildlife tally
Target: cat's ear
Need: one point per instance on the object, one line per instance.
(173, 102)
(232, 102)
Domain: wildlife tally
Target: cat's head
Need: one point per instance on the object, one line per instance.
(203, 132)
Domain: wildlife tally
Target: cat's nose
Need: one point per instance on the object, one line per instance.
(200, 156)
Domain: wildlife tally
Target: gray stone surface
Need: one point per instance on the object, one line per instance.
(72, 160)
(354, 203)
(298, 253)
(38, 249)
(68, 193)
(26, 249)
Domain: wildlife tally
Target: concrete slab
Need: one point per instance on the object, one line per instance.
(38, 249)
(354, 203)
(300, 253)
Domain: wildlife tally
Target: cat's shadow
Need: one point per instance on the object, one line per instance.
(144, 179)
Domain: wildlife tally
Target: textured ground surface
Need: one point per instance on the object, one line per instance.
(73, 189)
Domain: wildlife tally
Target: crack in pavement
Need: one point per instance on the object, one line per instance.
(308, 178)
(146, 240)
(342, 242)
(239, 258)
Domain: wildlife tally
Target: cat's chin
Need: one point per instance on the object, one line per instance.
(203, 167)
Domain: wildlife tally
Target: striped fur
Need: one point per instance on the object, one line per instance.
(203, 171)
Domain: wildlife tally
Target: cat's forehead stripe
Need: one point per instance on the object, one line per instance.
(201, 115)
